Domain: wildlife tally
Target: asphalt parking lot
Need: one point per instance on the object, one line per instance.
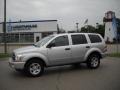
(106, 77)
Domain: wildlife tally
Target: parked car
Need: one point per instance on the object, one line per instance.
(60, 49)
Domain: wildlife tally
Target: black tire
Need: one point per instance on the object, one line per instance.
(76, 64)
(93, 61)
(34, 68)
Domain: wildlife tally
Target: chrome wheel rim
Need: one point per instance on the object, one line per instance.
(94, 62)
(35, 68)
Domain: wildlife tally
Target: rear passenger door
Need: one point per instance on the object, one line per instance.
(79, 47)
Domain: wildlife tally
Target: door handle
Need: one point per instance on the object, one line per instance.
(87, 46)
(67, 48)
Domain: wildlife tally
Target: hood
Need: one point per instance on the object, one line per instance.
(25, 49)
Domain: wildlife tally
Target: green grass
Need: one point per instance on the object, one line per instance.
(2, 55)
(114, 54)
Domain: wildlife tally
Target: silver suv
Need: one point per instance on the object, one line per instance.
(60, 49)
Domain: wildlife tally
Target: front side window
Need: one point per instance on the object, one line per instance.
(61, 41)
(78, 39)
(94, 38)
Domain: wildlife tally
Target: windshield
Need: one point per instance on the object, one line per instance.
(43, 41)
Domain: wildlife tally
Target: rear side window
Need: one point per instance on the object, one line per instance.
(78, 39)
(95, 38)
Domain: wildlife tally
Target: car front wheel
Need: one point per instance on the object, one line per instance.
(34, 68)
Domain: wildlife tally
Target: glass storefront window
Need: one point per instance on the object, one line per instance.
(18, 38)
(12, 38)
(1, 38)
(26, 37)
(21, 37)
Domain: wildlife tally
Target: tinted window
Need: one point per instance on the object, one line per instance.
(78, 39)
(95, 38)
(61, 41)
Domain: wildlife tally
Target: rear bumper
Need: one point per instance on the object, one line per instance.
(16, 65)
(104, 55)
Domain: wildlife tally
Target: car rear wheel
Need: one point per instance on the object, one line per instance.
(93, 61)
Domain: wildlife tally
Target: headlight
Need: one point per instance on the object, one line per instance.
(18, 58)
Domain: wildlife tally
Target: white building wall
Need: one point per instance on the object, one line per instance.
(41, 26)
(39, 29)
(44, 26)
(109, 32)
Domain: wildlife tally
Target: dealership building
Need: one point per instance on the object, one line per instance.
(28, 31)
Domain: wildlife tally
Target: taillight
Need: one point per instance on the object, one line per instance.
(105, 48)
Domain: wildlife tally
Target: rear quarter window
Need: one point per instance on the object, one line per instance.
(95, 38)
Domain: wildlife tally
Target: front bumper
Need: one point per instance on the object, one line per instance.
(16, 65)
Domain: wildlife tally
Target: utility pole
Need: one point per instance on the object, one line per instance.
(4, 28)
(58, 29)
(117, 42)
(77, 27)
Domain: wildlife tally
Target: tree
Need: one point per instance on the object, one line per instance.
(88, 29)
(100, 29)
(91, 29)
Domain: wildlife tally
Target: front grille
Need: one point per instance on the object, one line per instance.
(13, 56)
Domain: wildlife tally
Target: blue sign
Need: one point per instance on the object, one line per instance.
(20, 27)
(114, 24)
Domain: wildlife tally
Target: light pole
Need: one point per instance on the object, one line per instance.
(77, 27)
(97, 25)
(4, 28)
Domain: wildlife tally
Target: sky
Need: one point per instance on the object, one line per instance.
(67, 12)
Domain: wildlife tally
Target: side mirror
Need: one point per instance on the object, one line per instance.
(51, 45)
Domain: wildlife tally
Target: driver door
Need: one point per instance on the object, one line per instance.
(60, 51)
